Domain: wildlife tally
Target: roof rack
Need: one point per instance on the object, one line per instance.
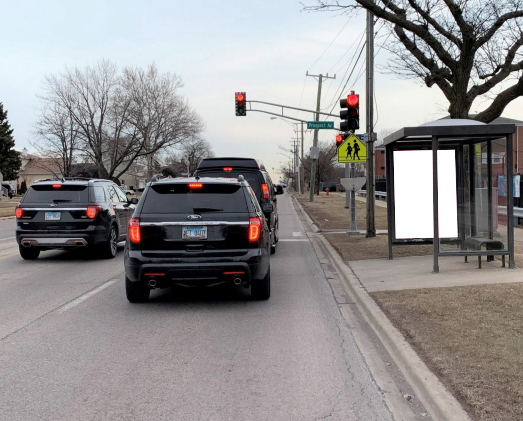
(159, 177)
(77, 178)
(48, 179)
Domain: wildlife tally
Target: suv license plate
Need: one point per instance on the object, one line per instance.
(52, 216)
(194, 233)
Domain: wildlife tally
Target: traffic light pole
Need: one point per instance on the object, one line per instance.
(371, 229)
(315, 141)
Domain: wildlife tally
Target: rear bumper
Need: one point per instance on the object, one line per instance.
(52, 240)
(196, 271)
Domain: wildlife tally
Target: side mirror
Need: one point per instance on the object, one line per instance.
(279, 189)
(267, 208)
(133, 201)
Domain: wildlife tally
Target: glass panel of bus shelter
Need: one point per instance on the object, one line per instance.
(499, 191)
(448, 199)
(484, 217)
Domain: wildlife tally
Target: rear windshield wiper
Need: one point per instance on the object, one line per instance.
(207, 210)
(61, 200)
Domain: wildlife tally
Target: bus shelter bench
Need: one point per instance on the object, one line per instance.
(475, 243)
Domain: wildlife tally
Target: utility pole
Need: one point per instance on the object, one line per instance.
(295, 142)
(302, 172)
(371, 229)
(315, 141)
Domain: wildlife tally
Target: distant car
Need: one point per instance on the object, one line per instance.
(129, 192)
(198, 232)
(258, 178)
(11, 191)
(72, 213)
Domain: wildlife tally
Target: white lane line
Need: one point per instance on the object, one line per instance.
(84, 297)
(7, 238)
(297, 234)
(293, 239)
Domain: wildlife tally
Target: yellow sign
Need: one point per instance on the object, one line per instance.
(352, 151)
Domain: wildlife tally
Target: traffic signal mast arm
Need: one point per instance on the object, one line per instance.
(291, 108)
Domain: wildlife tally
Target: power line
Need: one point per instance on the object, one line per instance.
(352, 71)
(335, 38)
(336, 97)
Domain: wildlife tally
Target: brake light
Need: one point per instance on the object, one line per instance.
(135, 234)
(265, 190)
(195, 185)
(227, 169)
(92, 211)
(57, 186)
(254, 229)
(19, 212)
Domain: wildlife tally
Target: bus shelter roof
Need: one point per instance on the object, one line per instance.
(451, 131)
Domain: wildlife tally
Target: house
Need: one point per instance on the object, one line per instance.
(36, 168)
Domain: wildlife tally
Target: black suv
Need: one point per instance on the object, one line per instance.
(72, 212)
(9, 189)
(259, 179)
(197, 232)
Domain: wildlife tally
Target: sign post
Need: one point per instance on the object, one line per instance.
(353, 184)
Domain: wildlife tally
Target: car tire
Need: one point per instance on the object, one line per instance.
(261, 289)
(29, 253)
(110, 247)
(273, 245)
(137, 292)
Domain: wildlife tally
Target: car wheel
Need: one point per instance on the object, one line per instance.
(137, 292)
(29, 253)
(110, 247)
(261, 289)
(273, 245)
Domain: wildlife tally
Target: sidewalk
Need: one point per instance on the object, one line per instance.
(465, 323)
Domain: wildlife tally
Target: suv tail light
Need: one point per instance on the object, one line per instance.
(255, 225)
(265, 191)
(135, 234)
(92, 211)
(19, 212)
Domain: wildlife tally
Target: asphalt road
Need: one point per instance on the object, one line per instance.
(73, 348)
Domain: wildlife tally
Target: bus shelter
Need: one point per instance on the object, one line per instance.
(451, 183)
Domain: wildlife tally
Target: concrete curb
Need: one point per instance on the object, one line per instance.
(438, 401)
(3, 218)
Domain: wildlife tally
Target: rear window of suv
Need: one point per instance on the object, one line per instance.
(63, 194)
(180, 198)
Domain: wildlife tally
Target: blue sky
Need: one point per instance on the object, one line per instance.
(261, 47)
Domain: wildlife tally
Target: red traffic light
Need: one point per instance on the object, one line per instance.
(339, 140)
(353, 100)
(240, 97)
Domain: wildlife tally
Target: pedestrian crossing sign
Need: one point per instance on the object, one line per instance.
(352, 151)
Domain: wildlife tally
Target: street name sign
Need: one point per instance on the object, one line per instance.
(318, 125)
(352, 151)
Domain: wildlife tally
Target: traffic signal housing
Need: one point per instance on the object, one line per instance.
(350, 118)
(241, 104)
(340, 138)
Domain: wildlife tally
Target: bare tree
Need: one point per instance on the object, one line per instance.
(327, 167)
(57, 138)
(161, 117)
(118, 119)
(469, 49)
(194, 150)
